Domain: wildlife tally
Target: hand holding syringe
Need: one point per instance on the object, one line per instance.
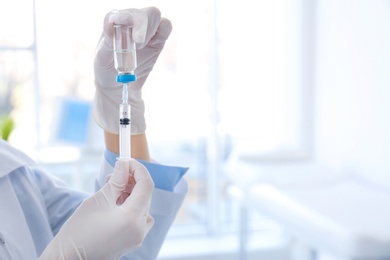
(125, 63)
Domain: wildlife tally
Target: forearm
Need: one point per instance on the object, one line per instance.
(139, 145)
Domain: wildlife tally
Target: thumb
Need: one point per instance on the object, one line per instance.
(120, 176)
(141, 195)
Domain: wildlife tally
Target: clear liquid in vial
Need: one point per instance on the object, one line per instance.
(125, 61)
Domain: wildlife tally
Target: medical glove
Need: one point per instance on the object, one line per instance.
(150, 32)
(111, 222)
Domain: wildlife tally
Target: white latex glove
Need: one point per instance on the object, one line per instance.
(150, 31)
(110, 223)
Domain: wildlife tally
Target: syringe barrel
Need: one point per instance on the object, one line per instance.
(124, 131)
(125, 57)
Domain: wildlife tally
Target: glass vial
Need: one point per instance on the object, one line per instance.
(124, 53)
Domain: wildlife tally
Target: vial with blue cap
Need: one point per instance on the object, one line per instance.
(125, 56)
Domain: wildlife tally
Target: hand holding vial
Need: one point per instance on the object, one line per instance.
(150, 32)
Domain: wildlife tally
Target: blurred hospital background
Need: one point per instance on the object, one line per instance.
(281, 109)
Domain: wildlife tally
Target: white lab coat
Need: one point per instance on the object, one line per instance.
(34, 205)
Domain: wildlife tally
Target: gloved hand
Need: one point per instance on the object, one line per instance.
(150, 31)
(104, 228)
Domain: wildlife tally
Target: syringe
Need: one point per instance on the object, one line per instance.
(124, 126)
(125, 63)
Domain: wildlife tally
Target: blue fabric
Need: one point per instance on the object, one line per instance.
(164, 177)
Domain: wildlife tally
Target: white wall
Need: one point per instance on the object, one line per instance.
(353, 86)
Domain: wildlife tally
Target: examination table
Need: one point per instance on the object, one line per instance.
(341, 214)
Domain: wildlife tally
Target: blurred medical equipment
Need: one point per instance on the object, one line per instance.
(125, 63)
(340, 214)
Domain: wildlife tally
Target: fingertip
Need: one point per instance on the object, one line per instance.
(165, 28)
(152, 11)
(109, 16)
(142, 177)
(121, 173)
(122, 162)
(137, 167)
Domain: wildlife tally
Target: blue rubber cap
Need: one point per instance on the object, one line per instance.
(125, 78)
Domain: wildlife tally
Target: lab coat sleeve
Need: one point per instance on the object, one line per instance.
(59, 198)
(164, 207)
